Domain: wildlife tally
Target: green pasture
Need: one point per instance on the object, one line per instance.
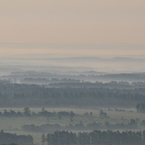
(13, 125)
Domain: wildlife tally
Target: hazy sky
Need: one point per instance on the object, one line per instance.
(73, 21)
(98, 22)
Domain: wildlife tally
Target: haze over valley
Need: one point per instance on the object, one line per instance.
(72, 72)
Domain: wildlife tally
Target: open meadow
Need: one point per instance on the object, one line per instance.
(14, 124)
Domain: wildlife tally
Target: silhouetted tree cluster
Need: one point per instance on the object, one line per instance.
(103, 115)
(140, 107)
(96, 138)
(14, 139)
(143, 123)
(43, 113)
(80, 126)
(21, 95)
(89, 75)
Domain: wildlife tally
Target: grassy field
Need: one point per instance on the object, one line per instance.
(13, 124)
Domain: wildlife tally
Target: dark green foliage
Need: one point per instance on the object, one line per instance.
(27, 111)
(43, 139)
(143, 123)
(96, 138)
(79, 127)
(103, 115)
(21, 95)
(44, 113)
(132, 123)
(140, 107)
(13, 139)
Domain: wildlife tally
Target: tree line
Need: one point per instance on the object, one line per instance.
(21, 95)
(111, 85)
(14, 139)
(95, 137)
(81, 127)
(43, 113)
(89, 75)
(140, 107)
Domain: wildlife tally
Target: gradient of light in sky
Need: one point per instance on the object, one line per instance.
(107, 22)
(72, 21)
(69, 50)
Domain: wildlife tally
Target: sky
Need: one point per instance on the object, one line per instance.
(73, 22)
